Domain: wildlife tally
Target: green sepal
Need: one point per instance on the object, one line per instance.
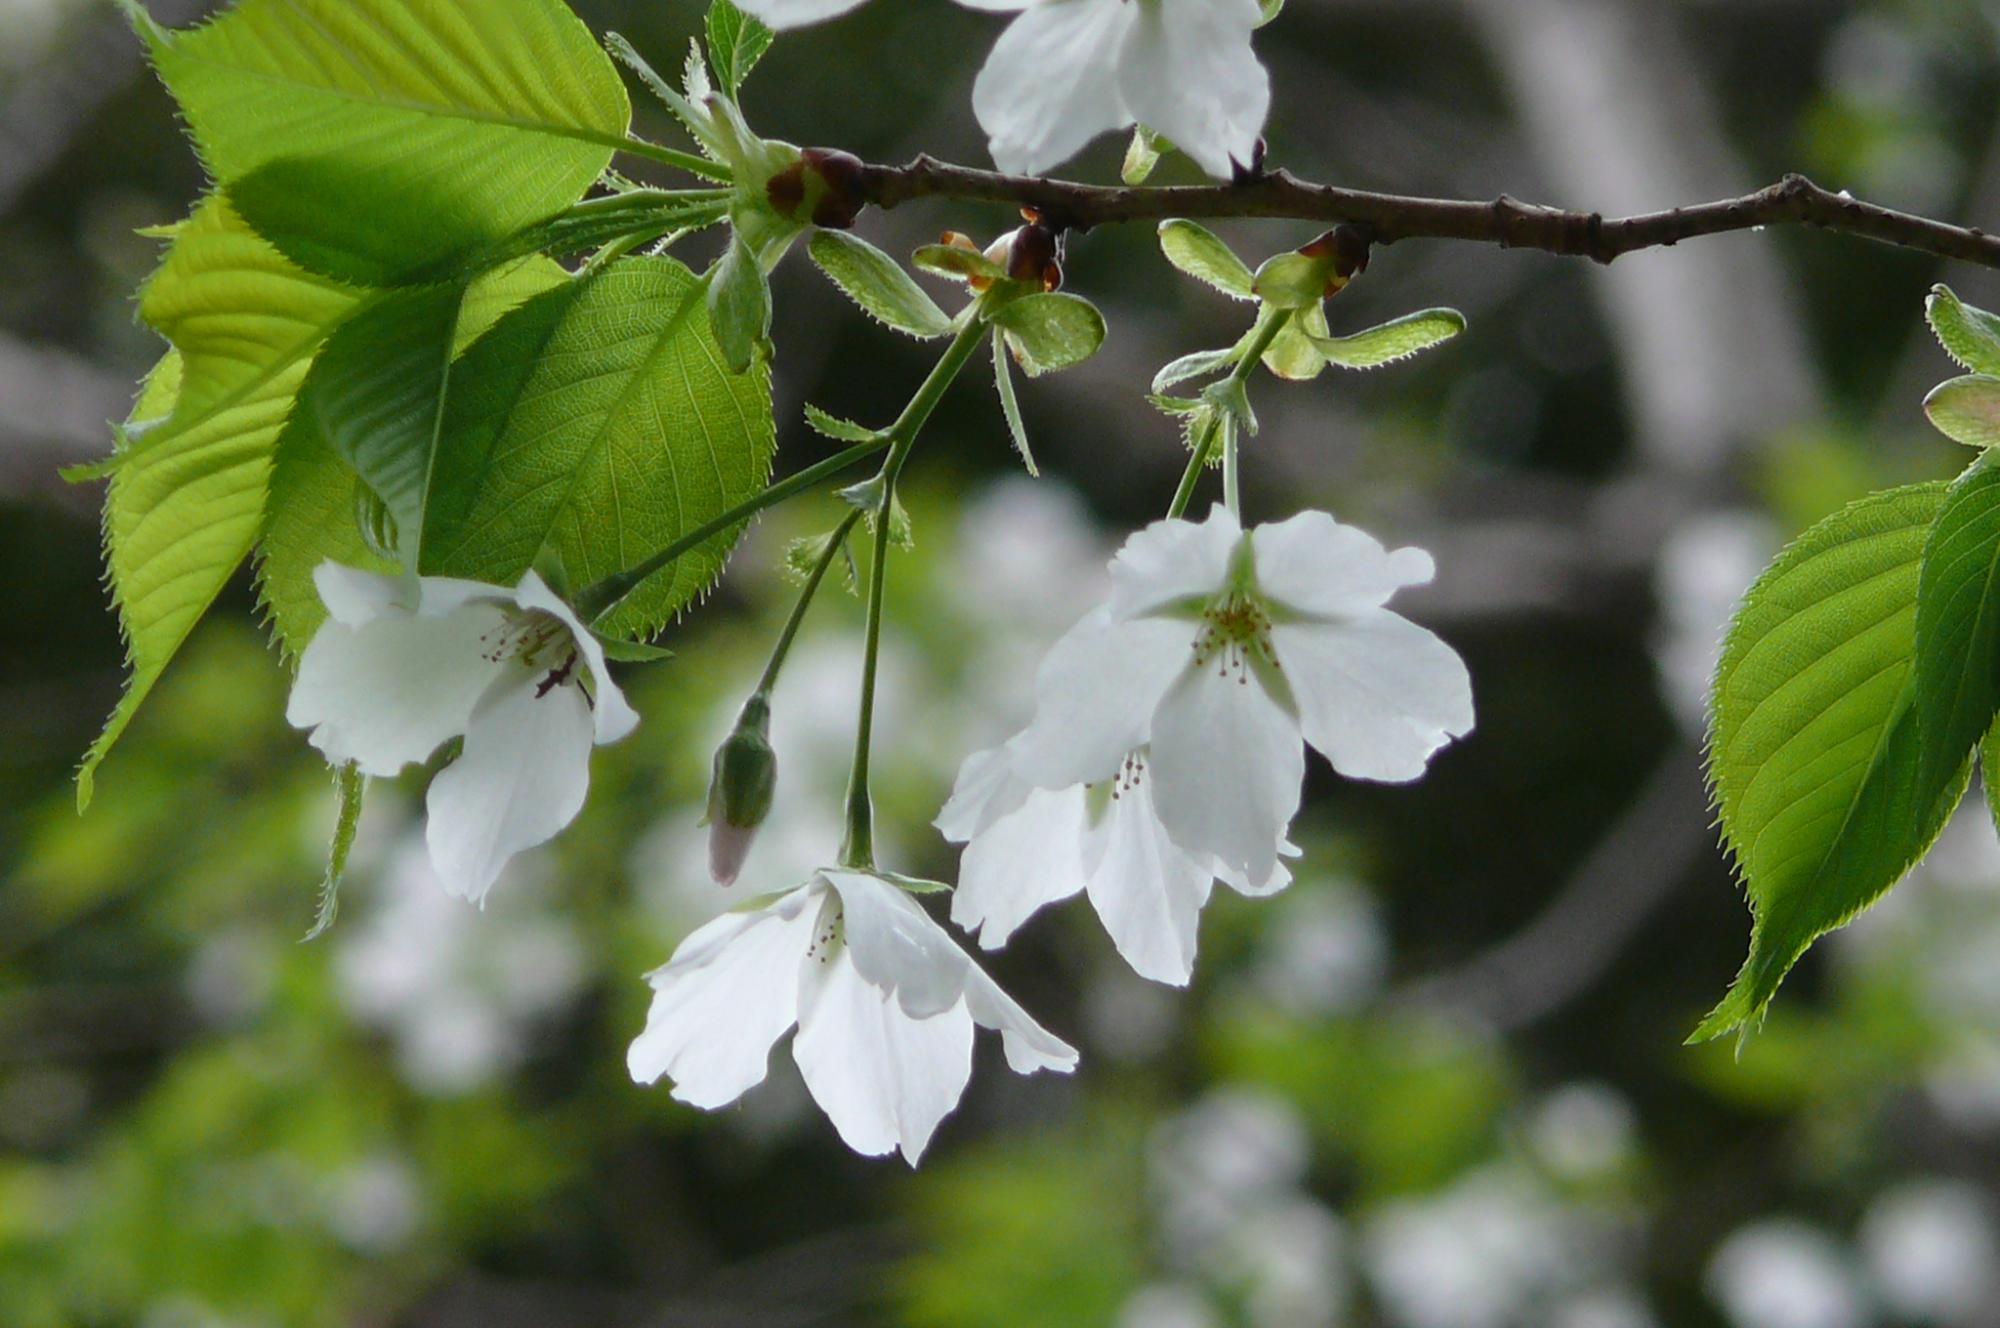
(840, 430)
(873, 281)
(1201, 254)
(1966, 409)
(1142, 154)
(1050, 330)
(916, 885)
(866, 497)
(1387, 343)
(631, 652)
(1196, 364)
(802, 555)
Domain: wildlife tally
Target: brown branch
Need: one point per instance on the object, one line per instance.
(1504, 221)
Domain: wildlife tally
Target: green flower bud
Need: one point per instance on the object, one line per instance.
(740, 789)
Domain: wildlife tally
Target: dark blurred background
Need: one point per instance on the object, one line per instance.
(1437, 1084)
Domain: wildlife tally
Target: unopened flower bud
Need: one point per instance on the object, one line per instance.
(824, 186)
(1035, 254)
(740, 789)
(1344, 250)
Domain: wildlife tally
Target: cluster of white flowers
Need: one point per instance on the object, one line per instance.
(1166, 751)
(1066, 71)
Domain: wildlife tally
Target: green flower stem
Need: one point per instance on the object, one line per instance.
(600, 599)
(692, 163)
(1269, 325)
(859, 849)
(798, 615)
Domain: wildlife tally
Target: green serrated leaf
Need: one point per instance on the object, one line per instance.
(872, 280)
(1969, 335)
(1293, 280)
(739, 305)
(1294, 353)
(631, 652)
(1397, 339)
(736, 42)
(1010, 406)
(948, 260)
(832, 426)
(187, 498)
(1201, 254)
(366, 138)
(1051, 330)
(349, 786)
(1194, 365)
(1815, 750)
(695, 119)
(1958, 622)
(599, 420)
(1966, 409)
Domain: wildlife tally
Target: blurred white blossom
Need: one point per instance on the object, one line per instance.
(1781, 1273)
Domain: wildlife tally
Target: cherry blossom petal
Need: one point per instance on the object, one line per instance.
(1148, 892)
(885, 1080)
(1377, 694)
(354, 597)
(1095, 695)
(1028, 1045)
(387, 692)
(796, 13)
(1026, 859)
(612, 717)
(1280, 877)
(521, 778)
(729, 992)
(1050, 84)
(1172, 562)
(1226, 767)
(1312, 564)
(986, 790)
(896, 946)
(1187, 71)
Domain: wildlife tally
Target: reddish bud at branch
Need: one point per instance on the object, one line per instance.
(823, 186)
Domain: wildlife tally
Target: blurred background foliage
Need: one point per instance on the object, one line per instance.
(1437, 1084)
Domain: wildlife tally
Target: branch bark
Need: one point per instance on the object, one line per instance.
(1507, 222)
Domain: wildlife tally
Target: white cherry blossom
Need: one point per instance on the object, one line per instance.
(1066, 71)
(884, 1000)
(1027, 847)
(1222, 652)
(404, 663)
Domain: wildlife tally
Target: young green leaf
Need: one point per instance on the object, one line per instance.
(1968, 334)
(739, 305)
(1051, 330)
(1194, 365)
(600, 421)
(187, 496)
(1397, 339)
(349, 785)
(1294, 353)
(872, 280)
(736, 42)
(1958, 622)
(1292, 280)
(1201, 254)
(1010, 406)
(1815, 749)
(367, 138)
(1142, 154)
(832, 426)
(1966, 409)
(948, 260)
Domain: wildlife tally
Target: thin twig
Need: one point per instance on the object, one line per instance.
(1504, 221)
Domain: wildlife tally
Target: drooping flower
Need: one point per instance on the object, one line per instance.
(1066, 71)
(403, 664)
(884, 1000)
(1221, 653)
(1027, 847)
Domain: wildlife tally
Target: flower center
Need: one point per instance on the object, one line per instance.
(827, 937)
(1131, 774)
(535, 641)
(1234, 630)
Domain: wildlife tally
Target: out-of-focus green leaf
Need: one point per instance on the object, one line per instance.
(1815, 750)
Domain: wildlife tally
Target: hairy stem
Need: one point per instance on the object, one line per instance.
(835, 542)
(1269, 325)
(1507, 222)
